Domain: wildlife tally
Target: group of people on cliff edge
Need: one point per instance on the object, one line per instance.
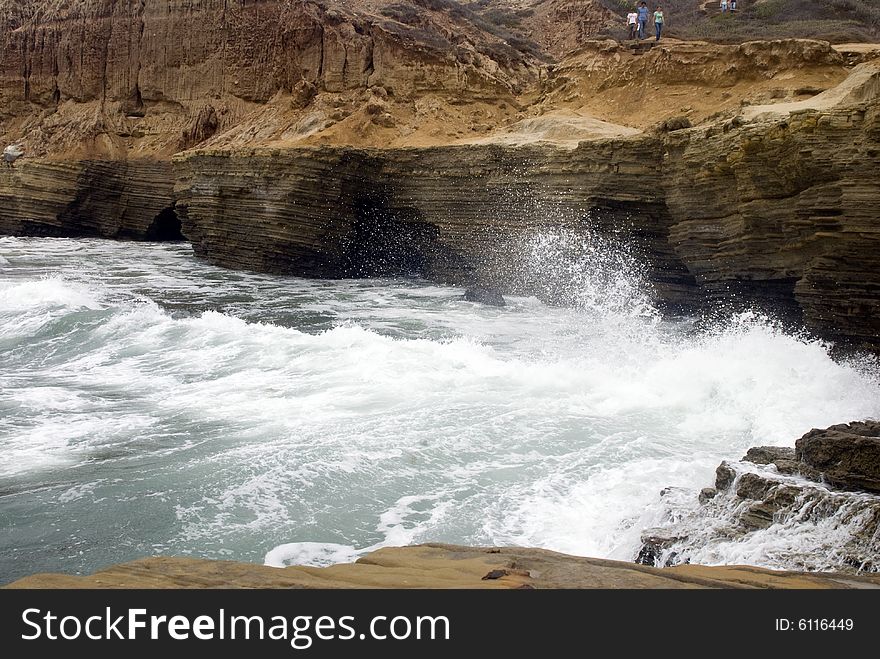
(637, 21)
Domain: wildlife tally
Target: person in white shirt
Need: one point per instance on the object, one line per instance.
(631, 20)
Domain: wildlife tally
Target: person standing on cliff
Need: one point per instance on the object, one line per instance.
(658, 21)
(643, 19)
(12, 153)
(631, 21)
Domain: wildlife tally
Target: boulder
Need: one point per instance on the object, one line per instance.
(845, 456)
(487, 296)
(724, 476)
(762, 455)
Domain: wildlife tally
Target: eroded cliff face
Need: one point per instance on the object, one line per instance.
(784, 208)
(457, 214)
(101, 93)
(96, 198)
(774, 207)
(100, 76)
(365, 139)
(191, 50)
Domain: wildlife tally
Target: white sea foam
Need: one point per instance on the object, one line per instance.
(50, 292)
(423, 418)
(318, 554)
(27, 306)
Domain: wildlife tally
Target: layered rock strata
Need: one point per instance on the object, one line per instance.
(778, 211)
(110, 199)
(783, 207)
(421, 138)
(452, 214)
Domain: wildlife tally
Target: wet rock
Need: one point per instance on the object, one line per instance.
(762, 455)
(845, 456)
(724, 476)
(835, 519)
(789, 467)
(656, 542)
(752, 486)
(772, 497)
(486, 296)
(707, 493)
(783, 458)
(757, 516)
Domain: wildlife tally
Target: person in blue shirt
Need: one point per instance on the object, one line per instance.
(643, 18)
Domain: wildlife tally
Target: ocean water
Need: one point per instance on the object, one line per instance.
(153, 404)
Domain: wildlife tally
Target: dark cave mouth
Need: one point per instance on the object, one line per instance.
(165, 227)
(389, 242)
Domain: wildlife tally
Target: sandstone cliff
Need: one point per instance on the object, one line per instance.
(442, 566)
(421, 137)
(770, 205)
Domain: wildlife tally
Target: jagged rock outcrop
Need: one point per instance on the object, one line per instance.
(441, 566)
(846, 456)
(793, 497)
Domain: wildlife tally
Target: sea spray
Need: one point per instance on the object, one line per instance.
(810, 527)
(157, 404)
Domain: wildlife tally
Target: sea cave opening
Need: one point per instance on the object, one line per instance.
(165, 227)
(389, 242)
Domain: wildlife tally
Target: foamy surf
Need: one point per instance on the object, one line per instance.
(274, 419)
